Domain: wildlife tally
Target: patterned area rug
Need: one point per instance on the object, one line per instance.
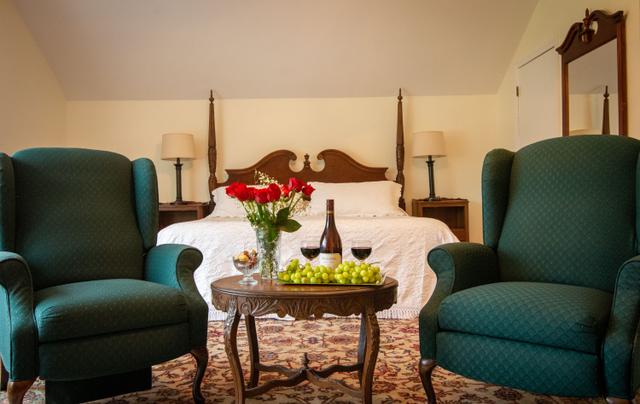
(327, 341)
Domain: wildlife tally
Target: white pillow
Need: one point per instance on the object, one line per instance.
(358, 199)
(226, 206)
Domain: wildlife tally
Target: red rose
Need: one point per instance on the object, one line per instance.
(251, 193)
(262, 195)
(295, 184)
(245, 194)
(232, 190)
(240, 191)
(308, 190)
(273, 192)
(285, 190)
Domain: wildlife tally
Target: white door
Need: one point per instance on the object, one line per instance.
(539, 98)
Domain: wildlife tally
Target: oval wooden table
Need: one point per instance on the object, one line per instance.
(301, 302)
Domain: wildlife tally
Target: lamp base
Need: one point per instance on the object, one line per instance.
(433, 198)
(178, 202)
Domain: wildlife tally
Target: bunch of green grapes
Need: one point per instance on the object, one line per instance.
(345, 273)
(354, 273)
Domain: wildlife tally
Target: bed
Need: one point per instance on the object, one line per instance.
(400, 242)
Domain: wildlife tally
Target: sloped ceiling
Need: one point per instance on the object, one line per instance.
(177, 49)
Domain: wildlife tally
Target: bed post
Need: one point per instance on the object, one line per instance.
(400, 150)
(213, 181)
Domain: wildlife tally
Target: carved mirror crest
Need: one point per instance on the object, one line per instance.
(594, 78)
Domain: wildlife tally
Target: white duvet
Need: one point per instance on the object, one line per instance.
(401, 245)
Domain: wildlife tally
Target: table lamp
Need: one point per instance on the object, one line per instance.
(176, 146)
(429, 144)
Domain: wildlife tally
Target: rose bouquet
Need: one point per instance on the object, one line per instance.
(270, 208)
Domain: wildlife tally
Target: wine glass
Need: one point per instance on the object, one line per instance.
(310, 248)
(245, 262)
(361, 249)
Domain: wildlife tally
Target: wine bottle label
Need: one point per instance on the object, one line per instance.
(330, 260)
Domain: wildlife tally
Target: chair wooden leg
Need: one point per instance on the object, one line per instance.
(4, 377)
(425, 368)
(17, 389)
(202, 359)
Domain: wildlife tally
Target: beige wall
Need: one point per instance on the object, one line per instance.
(32, 105)
(548, 26)
(250, 128)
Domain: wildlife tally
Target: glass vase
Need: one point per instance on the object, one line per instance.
(268, 242)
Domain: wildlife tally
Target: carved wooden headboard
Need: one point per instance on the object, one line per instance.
(338, 166)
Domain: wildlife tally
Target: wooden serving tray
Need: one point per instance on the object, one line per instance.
(279, 282)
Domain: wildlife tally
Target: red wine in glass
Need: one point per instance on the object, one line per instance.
(310, 253)
(361, 249)
(310, 249)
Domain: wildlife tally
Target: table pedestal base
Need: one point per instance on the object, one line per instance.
(368, 345)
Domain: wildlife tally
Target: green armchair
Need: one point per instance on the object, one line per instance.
(550, 303)
(85, 293)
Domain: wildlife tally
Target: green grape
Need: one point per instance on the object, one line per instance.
(325, 276)
(285, 276)
(313, 280)
(365, 279)
(304, 280)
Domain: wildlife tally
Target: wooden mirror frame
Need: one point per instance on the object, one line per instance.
(582, 39)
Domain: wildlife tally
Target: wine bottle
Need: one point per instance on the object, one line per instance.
(330, 243)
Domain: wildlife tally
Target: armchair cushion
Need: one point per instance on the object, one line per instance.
(91, 308)
(561, 316)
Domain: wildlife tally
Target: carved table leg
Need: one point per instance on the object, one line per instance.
(17, 389)
(201, 355)
(231, 347)
(370, 355)
(254, 352)
(362, 343)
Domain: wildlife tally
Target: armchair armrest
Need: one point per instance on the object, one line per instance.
(18, 336)
(173, 265)
(618, 351)
(458, 266)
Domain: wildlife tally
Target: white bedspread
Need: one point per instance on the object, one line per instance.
(400, 243)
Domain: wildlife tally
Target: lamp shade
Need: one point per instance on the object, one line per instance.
(428, 144)
(177, 146)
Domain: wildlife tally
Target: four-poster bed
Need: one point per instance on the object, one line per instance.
(338, 167)
(400, 242)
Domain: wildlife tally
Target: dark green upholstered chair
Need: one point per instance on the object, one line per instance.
(550, 302)
(85, 293)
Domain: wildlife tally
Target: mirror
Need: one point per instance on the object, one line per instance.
(594, 76)
(593, 92)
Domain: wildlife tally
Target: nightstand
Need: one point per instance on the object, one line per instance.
(171, 213)
(453, 212)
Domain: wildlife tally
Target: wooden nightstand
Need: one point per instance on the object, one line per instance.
(453, 212)
(170, 213)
